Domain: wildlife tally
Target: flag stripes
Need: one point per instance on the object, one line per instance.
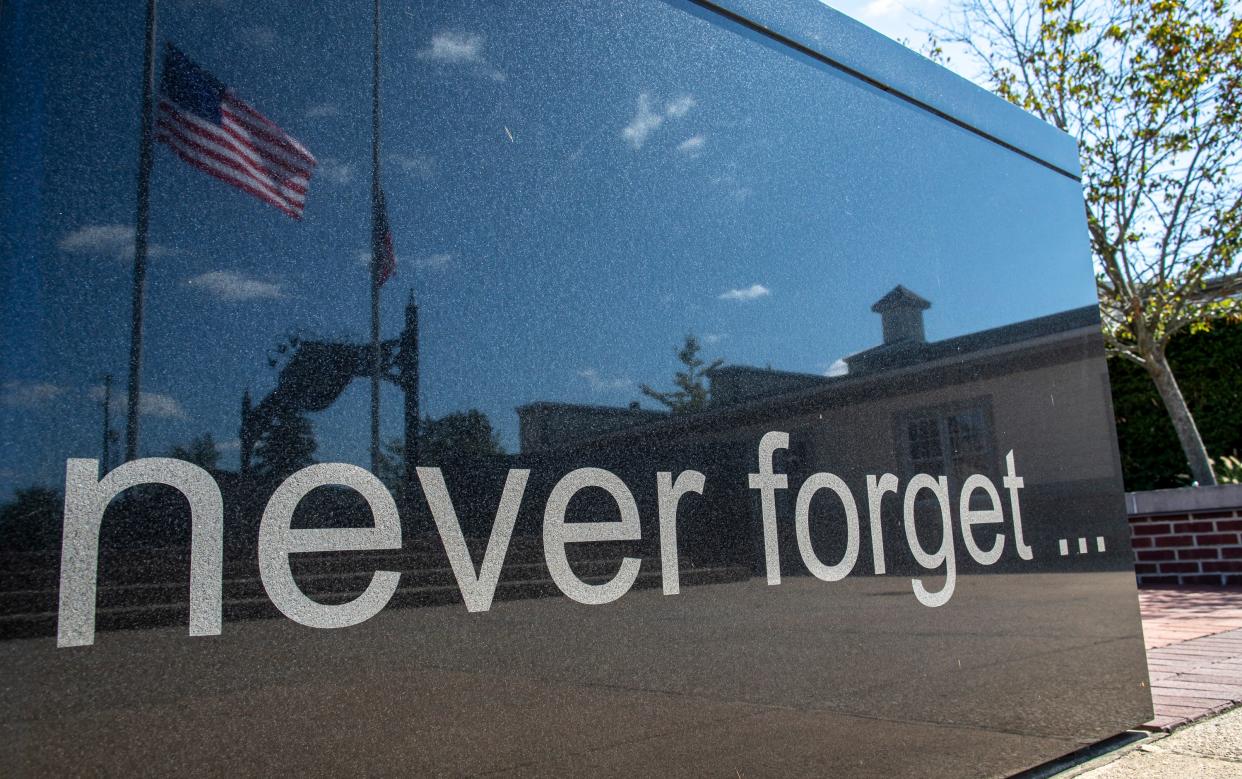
(383, 256)
(215, 131)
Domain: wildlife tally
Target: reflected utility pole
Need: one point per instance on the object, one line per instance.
(376, 240)
(140, 239)
(106, 454)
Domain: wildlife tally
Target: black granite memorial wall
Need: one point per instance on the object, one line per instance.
(735, 403)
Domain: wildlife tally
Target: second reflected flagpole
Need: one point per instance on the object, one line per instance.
(376, 240)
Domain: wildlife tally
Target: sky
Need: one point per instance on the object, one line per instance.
(905, 21)
(571, 191)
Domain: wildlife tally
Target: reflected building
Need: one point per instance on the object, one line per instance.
(953, 407)
(948, 407)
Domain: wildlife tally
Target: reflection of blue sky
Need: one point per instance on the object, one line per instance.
(571, 191)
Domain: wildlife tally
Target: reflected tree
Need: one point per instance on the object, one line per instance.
(692, 389)
(202, 451)
(32, 519)
(455, 438)
(285, 445)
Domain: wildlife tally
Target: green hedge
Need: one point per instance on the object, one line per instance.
(1208, 367)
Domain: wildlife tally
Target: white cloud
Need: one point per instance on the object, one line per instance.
(418, 164)
(877, 9)
(28, 394)
(150, 404)
(322, 110)
(679, 106)
(453, 48)
(753, 292)
(111, 240)
(692, 145)
(335, 171)
(233, 286)
(601, 384)
(714, 338)
(905, 21)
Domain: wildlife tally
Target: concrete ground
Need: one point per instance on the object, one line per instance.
(1209, 748)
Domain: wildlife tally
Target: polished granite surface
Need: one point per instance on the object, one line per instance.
(742, 405)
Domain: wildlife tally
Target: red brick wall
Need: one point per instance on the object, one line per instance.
(1188, 549)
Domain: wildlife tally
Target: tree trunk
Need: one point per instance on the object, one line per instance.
(1187, 432)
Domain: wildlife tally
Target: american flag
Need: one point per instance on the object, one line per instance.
(217, 132)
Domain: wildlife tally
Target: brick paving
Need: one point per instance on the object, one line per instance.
(1194, 652)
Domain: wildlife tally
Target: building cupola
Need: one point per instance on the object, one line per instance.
(901, 314)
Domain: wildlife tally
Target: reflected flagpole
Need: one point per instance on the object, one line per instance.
(376, 240)
(134, 393)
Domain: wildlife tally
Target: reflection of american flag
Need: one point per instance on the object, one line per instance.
(382, 252)
(212, 129)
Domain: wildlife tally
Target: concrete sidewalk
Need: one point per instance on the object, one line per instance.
(1210, 748)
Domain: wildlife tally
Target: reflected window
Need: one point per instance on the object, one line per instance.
(954, 440)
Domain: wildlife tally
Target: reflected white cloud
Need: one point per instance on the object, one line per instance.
(743, 294)
(232, 286)
(647, 119)
(733, 186)
(643, 123)
(150, 404)
(323, 110)
(453, 48)
(28, 394)
(838, 368)
(109, 240)
(599, 383)
(712, 339)
(258, 36)
(679, 106)
(335, 171)
(437, 261)
(459, 48)
(440, 260)
(692, 145)
(418, 164)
